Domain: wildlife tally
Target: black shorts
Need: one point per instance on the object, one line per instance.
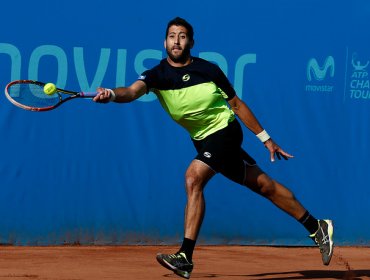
(222, 152)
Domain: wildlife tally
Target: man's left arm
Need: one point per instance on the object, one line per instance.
(250, 121)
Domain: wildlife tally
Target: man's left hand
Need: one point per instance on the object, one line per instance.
(275, 150)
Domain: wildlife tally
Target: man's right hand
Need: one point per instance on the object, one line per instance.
(105, 95)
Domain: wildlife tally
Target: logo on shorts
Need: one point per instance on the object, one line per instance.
(207, 154)
(186, 77)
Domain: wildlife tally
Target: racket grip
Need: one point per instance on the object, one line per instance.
(88, 94)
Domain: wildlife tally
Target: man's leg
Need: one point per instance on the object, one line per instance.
(196, 177)
(321, 231)
(261, 183)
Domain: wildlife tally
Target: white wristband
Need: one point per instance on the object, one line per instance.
(263, 136)
(112, 94)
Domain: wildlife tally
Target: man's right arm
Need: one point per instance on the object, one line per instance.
(121, 94)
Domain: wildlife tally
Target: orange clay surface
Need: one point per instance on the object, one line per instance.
(211, 262)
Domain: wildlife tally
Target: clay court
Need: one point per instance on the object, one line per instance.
(211, 262)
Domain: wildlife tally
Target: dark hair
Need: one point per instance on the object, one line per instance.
(178, 21)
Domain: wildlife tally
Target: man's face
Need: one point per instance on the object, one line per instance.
(178, 44)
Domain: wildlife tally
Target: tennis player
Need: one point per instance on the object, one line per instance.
(199, 97)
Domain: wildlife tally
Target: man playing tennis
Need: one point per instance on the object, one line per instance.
(199, 97)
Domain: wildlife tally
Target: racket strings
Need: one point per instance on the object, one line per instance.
(32, 95)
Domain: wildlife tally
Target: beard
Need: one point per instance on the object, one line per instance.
(182, 57)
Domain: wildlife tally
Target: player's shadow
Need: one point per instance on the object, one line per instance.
(289, 275)
(315, 274)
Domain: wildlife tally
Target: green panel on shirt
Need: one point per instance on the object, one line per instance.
(201, 109)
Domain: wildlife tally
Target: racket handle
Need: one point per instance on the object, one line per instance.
(88, 94)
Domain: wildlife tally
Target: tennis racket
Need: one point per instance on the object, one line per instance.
(30, 95)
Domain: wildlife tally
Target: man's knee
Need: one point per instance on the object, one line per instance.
(197, 176)
(193, 183)
(267, 187)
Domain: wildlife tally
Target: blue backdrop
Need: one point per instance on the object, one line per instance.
(90, 173)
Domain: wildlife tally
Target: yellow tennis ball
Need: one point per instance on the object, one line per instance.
(50, 88)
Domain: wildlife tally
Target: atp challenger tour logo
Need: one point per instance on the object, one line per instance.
(320, 76)
(358, 77)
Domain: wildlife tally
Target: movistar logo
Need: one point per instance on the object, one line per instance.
(319, 73)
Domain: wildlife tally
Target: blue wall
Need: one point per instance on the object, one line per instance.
(113, 174)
